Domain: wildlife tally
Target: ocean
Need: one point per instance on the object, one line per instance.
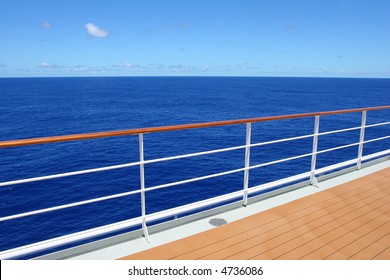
(37, 107)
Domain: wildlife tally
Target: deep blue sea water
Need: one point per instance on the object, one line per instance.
(35, 107)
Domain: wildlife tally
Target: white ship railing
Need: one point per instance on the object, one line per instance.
(145, 218)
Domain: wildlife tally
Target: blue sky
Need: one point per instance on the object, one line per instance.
(337, 38)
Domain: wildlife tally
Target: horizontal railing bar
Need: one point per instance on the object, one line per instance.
(281, 140)
(351, 162)
(337, 148)
(255, 144)
(279, 161)
(194, 179)
(339, 130)
(225, 149)
(352, 128)
(86, 136)
(377, 124)
(376, 139)
(65, 206)
(73, 173)
(194, 154)
(376, 155)
(351, 145)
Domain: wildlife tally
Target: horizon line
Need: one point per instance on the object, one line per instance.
(192, 76)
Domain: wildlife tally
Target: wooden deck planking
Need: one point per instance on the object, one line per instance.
(350, 221)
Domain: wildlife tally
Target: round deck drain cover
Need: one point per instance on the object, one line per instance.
(217, 222)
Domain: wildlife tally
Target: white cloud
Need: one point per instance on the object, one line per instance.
(45, 25)
(183, 68)
(89, 70)
(95, 31)
(48, 65)
(321, 70)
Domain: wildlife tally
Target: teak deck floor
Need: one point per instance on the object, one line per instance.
(350, 221)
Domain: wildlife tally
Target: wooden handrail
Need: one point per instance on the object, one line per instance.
(86, 136)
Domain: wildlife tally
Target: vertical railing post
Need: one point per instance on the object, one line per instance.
(313, 179)
(247, 162)
(142, 180)
(361, 140)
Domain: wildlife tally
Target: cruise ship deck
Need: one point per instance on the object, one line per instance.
(350, 221)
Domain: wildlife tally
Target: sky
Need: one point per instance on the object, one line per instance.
(304, 38)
